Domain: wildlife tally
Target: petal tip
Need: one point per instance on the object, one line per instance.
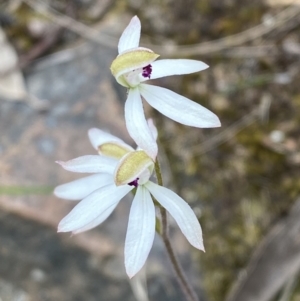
(59, 230)
(62, 227)
(218, 123)
(135, 18)
(63, 164)
(214, 121)
(130, 273)
(135, 21)
(205, 66)
(199, 245)
(56, 191)
(152, 155)
(91, 131)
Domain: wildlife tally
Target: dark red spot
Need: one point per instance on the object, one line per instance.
(147, 71)
(134, 183)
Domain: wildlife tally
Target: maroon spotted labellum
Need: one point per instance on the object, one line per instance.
(134, 183)
(147, 71)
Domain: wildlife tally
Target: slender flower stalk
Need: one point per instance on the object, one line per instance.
(135, 65)
(188, 291)
(117, 170)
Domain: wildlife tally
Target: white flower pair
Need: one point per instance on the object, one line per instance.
(119, 168)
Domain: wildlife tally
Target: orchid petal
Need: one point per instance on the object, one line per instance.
(179, 108)
(97, 221)
(164, 68)
(140, 231)
(137, 125)
(90, 164)
(152, 128)
(130, 37)
(81, 188)
(92, 207)
(181, 212)
(98, 137)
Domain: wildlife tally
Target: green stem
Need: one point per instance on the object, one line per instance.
(181, 278)
(158, 173)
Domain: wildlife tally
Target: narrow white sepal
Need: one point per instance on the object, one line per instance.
(81, 188)
(137, 125)
(162, 68)
(180, 211)
(90, 164)
(92, 206)
(140, 231)
(98, 137)
(152, 128)
(178, 107)
(130, 37)
(97, 221)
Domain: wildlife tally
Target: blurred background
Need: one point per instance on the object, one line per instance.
(242, 179)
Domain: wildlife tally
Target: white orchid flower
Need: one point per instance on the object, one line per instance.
(118, 170)
(133, 66)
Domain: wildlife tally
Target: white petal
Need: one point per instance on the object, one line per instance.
(130, 37)
(137, 125)
(79, 189)
(140, 231)
(152, 128)
(179, 108)
(98, 220)
(98, 137)
(164, 68)
(90, 164)
(92, 207)
(181, 212)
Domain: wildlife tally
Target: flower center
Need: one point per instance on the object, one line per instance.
(134, 183)
(147, 71)
(133, 66)
(134, 77)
